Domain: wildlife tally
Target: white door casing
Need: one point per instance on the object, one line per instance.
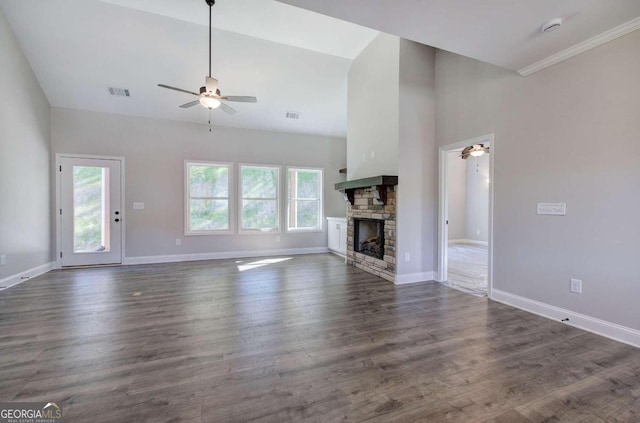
(90, 214)
(443, 211)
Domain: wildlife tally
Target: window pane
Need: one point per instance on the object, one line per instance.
(209, 181)
(209, 215)
(259, 214)
(90, 226)
(308, 184)
(307, 214)
(259, 182)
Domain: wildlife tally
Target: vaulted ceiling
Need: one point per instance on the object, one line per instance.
(293, 55)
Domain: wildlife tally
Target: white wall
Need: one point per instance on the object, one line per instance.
(25, 214)
(372, 111)
(477, 198)
(457, 195)
(417, 163)
(569, 133)
(155, 151)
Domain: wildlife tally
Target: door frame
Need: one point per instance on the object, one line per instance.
(58, 217)
(443, 192)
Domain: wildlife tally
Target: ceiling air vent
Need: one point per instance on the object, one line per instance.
(122, 92)
(292, 115)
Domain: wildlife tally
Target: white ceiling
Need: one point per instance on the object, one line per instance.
(77, 48)
(503, 32)
(292, 59)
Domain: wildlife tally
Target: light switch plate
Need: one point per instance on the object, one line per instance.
(3, 260)
(138, 206)
(554, 209)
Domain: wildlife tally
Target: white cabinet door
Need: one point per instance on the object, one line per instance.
(342, 237)
(337, 235)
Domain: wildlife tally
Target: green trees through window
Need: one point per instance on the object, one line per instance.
(305, 199)
(210, 199)
(259, 198)
(208, 202)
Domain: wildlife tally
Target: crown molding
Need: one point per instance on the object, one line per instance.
(579, 48)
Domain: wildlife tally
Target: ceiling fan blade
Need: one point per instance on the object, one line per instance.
(178, 89)
(190, 104)
(227, 109)
(240, 98)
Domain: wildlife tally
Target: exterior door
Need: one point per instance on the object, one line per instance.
(90, 211)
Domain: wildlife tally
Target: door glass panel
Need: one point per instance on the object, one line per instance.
(90, 209)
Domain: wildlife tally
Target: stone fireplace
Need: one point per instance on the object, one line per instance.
(371, 224)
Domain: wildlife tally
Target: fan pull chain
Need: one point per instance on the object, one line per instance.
(477, 165)
(209, 120)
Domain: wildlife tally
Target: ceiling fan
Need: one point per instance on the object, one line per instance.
(209, 95)
(475, 150)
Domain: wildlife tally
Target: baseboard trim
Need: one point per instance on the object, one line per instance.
(610, 330)
(226, 255)
(23, 276)
(415, 277)
(468, 241)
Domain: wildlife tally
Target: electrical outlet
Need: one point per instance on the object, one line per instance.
(373, 154)
(407, 257)
(178, 241)
(576, 286)
(3, 260)
(278, 238)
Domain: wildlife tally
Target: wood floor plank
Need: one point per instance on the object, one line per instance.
(303, 339)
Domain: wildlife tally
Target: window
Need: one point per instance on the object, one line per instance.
(207, 205)
(259, 210)
(304, 211)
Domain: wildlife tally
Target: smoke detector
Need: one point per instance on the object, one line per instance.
(552, 25)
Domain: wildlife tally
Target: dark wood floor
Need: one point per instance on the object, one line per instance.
(305, 339)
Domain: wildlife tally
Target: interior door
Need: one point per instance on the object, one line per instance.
(90, 210)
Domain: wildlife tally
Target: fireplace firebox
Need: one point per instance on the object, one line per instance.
(369, 237)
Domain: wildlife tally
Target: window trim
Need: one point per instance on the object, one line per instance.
(278, 200)
(187, 198)
(320, 227)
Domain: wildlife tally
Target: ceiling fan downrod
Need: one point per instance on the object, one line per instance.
(210, 3)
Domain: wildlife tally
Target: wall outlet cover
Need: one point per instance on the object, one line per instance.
(3, 260)
(576, 286)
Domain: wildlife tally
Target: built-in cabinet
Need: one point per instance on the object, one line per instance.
(337, 235)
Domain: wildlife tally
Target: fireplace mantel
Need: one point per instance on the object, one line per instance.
(379, 182)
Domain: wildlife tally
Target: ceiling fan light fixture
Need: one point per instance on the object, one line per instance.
(209, 102)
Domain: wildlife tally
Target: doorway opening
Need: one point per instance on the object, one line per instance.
(90, 216)
(465, 218)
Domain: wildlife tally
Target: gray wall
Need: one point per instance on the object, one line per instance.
(457, 195)
(569, 133)
(372, 111)
(417, 161)
(155, 151)
(477, 198)
(25, 184)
